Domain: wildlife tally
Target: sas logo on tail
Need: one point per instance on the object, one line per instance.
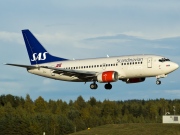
(40, 56)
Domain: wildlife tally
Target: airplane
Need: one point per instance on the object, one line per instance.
(129, 69)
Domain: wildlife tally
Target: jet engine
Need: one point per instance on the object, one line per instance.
(108, 76)
(134, 80)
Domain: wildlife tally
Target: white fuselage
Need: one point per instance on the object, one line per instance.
(133, 66)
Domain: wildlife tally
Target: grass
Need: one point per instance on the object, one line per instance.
(133, 129)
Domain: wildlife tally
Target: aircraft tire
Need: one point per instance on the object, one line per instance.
(108, 86)
(93, 86)
(158, 82)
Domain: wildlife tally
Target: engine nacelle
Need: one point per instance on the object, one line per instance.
(134, 80)
(108, 76)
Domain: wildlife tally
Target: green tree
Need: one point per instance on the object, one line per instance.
(40, 105)
(29, 105)
(80, 103)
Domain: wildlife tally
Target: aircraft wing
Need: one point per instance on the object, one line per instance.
(84, 75)
(24, 66)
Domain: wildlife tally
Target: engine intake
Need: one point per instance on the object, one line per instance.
(108, 76)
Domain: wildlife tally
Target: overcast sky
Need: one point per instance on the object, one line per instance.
(86, 29)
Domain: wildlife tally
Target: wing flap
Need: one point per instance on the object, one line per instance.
(77, 73)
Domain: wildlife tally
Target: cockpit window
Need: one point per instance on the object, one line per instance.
(163, 59)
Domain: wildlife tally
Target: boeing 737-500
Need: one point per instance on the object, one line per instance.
(129, 69)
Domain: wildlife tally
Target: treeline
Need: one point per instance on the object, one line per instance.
(24, 116)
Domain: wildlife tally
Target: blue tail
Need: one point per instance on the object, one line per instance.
(37, 53)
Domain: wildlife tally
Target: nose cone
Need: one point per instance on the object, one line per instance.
(175, 66)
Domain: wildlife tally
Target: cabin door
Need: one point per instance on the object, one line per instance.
(149, 62)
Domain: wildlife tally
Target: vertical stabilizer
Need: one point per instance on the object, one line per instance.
(37, 53)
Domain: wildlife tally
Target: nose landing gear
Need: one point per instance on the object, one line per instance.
(158, 82)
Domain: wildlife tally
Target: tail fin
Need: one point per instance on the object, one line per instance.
(37, 53)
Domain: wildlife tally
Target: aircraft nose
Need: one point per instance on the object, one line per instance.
(175, 66)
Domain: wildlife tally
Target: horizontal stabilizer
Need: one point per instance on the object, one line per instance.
(23, 66)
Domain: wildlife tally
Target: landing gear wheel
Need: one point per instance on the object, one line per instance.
(93, 86)
(108, 86)
(158, 82)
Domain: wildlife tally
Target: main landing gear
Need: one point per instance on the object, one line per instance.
(93, 85)
(107, 86)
